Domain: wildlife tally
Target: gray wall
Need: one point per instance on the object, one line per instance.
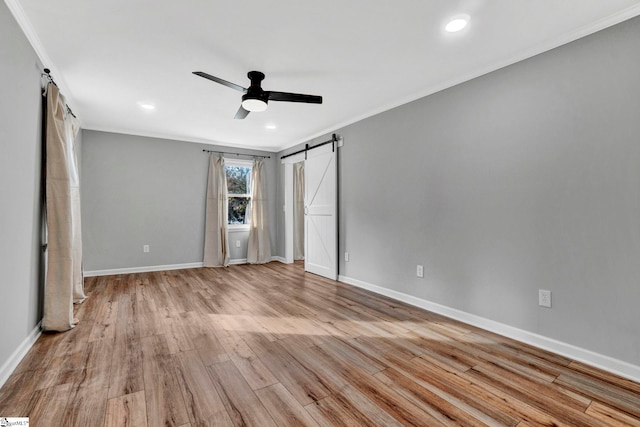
(20, 215)
(138, 190)
(525, 178)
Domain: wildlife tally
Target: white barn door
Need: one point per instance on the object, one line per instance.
(321, 213)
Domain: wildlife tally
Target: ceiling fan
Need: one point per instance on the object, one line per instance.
(255, 98)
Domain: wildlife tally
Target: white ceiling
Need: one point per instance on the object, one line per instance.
(363, 57)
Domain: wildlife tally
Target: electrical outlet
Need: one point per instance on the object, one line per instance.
(346, 257)
(420, 271)
(544, 298)
(145, 248)
(237, 243)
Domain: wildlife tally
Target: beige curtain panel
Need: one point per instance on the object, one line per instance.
(216, 238)
(64, 280)
(298, 210)
(259, 248)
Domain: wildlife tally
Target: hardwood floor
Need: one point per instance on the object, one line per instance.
(270, 345)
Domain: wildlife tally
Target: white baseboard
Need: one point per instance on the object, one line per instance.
(130, 270)
(141, 269)
(244, 260)
(588, 357)
(14, 360)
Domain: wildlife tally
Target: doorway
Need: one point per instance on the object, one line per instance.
(298, 211)
(319, 168)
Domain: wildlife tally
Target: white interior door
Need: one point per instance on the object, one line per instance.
(321, 214)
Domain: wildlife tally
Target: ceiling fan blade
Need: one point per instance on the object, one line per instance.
(294, 97)
(221, 81)
(242, 113)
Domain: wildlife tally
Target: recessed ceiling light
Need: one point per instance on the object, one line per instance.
(146, 106)
(271, 127)
(457, 24)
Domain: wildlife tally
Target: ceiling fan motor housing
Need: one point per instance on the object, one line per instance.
(256, 94)
(255, 90)
(256, 77)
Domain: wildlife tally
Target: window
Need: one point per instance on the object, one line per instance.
(238, 191)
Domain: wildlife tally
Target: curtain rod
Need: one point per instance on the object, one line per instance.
(236, 154)
(47, 74)
(333, 140)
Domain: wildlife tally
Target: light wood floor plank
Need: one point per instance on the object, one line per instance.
(96, 368)
(454, 400)
(127, 411)
(176, 331)
(567, 411)
(441, 410)
(593, 388)
(165, 404)
(49, 405)
(283, 407)
(336, 377)
(86, 406)
(612, 416)
(606, 377)
(250, 366)
(104, 327)
(127, 374)
(343, 352)
(328, 412)
(200, 396)
(361, 406)
(243, 406)
(16, 393)
(69, 358)
(299, 381)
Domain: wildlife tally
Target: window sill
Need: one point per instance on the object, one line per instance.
(238, 228)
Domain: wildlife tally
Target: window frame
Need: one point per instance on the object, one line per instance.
(244, 164)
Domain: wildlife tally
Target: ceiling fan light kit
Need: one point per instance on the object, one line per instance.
(255, 98)
(253, 105)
